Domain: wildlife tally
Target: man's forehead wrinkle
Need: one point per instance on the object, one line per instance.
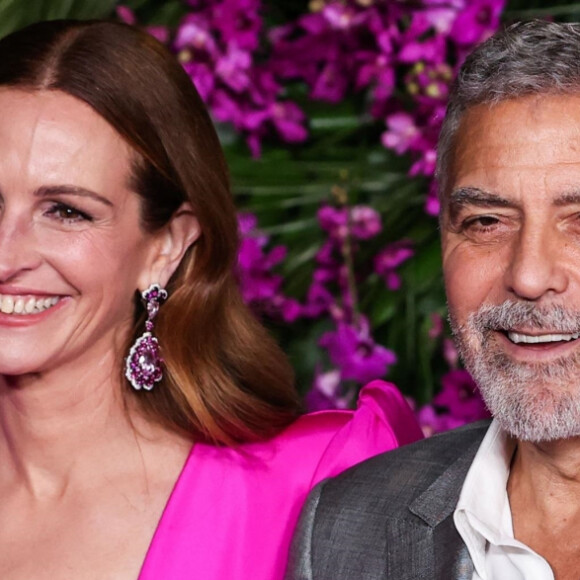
(496, 138)
(510, 159)
(462, 196)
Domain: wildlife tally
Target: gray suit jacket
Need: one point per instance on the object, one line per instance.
(390, 517)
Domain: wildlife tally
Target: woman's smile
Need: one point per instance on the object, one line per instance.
(26, 304)
(72, 250)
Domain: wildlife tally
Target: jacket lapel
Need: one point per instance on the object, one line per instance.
(436, 549)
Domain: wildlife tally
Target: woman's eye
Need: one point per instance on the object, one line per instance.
(67, 213)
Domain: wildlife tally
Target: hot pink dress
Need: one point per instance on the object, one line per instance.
(232, 512)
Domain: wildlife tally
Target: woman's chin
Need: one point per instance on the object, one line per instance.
(16, 368)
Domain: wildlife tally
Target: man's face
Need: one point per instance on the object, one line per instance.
(511, 259)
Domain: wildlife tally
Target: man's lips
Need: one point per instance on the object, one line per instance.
(552, 337)
(537, 348)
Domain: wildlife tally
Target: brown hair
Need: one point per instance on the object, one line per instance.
(225, 379)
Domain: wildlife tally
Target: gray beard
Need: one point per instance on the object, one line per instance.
(532, 402)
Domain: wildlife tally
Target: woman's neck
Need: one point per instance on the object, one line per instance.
(64, 427)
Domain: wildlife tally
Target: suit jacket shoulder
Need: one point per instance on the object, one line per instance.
(390, 516)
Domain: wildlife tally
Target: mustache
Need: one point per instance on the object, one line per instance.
(511, 314)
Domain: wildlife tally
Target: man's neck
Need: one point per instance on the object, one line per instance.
(539, 465)
(544, 495)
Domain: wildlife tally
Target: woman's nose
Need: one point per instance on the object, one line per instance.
(18, 247)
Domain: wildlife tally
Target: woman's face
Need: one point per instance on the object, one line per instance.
(72, 252)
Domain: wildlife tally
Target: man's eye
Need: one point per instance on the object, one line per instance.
(67, 213)
(485, 228)
(480, 222)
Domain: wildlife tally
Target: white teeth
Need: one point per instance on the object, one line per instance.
(7, 305)
(10, 304)
(529, 339)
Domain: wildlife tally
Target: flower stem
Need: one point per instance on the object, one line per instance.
(340, 193)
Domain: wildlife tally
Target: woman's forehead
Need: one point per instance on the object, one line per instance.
(51, 135)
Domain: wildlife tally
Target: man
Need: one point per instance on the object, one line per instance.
(501, 501)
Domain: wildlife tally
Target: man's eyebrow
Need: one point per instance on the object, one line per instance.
(478, 197)
(569, 198)
(473, 196)
(48, 190)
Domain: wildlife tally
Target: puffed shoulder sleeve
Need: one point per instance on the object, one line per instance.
(382, 421)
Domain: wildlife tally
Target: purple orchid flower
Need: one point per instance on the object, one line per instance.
(352, 349)
(389, 259)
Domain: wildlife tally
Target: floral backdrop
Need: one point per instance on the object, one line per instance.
(329, 112)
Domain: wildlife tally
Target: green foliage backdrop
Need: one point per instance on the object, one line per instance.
(342, 158)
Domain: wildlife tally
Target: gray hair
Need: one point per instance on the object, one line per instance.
(527, 58)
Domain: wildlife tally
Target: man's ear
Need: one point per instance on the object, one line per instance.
(171, 243)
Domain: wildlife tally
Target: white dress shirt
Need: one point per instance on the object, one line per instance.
(484, 521)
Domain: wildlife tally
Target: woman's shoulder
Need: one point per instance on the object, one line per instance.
(381, 408)
(322, 444)
(382, 421)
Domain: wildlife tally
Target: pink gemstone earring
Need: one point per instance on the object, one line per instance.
(143, 365)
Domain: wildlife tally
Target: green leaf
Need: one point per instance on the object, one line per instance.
(15, 14)
(157, 12)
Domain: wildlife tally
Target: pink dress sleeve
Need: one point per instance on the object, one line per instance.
(232, 512)
(382, 421)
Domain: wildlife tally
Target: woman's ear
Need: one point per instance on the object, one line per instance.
(171, 243)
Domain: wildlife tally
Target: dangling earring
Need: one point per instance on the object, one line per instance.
(143, 365)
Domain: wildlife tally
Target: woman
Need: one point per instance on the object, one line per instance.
(115, 463)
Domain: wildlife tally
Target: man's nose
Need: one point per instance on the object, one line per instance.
(18, 247)
(537, 264)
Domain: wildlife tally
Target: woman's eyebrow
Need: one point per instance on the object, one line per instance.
(48, 190)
